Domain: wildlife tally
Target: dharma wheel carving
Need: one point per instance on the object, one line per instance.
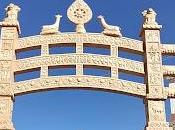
(79, 13)
(153, 91)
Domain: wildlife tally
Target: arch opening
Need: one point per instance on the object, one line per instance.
(82, 109)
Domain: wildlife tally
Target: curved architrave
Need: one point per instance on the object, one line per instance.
(97, 38)
(81, 82)
(168, 70)
(168, 49)
(150, 47)
(134, 67)
(73, 59)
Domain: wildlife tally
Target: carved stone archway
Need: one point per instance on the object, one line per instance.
(152, 92)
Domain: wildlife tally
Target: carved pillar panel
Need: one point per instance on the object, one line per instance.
(156, 117)
(44, 52)
(153, 64)
(172, 104)
(6, 108)
(114, 54)
(154, 102)
(9, 36)
(44, 72)
(79, 50)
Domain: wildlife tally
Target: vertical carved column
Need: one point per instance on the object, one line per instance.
(114, 54)
(44, 52)
(9, 35)
(154, 102)
(156, 117)
(172, 103)
(6, 108)
(79, 50)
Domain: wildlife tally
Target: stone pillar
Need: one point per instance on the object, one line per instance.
(114, 68)
(44, 52)
(9, 35)
(154, 101)
(6, 108)
(79, 50)
(172, 104)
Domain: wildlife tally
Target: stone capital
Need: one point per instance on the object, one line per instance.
(11, 19)
(149, 22)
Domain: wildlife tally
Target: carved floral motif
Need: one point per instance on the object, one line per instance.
(152, 36)
(73, 59)
(91, 82)
(79, 13)
(80, 38)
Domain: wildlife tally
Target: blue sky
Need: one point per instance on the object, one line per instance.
(82, 109)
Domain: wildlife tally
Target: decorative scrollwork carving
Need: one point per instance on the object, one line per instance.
(91, 82)
(87, 59)
(131, 44)
(80, 13)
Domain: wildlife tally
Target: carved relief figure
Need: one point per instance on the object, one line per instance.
(150, 16)
(150, 19)
(12, 12)
(109, 29)
(52, 29)
(11, 18)
(80, 13)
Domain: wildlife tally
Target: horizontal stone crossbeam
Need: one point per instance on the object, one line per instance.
(81, 82)
(169, 70)
(131, 44)
(149, 47)
(73, 59)
(168, 49)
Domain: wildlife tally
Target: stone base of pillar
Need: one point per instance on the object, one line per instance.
(158, 126)
(6, 125)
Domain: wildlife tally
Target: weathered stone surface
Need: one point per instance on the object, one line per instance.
(153, 91)
(82, 82)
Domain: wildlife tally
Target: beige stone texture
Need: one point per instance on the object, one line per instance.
(152, 91)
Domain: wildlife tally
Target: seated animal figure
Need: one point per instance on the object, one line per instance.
(52, 29)
(109, 29)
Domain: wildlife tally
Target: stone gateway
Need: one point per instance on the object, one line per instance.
(152, 91)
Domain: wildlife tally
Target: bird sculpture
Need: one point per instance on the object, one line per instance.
(109, 30)
(52, 29)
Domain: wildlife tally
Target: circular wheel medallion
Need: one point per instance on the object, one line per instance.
(79, 12)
